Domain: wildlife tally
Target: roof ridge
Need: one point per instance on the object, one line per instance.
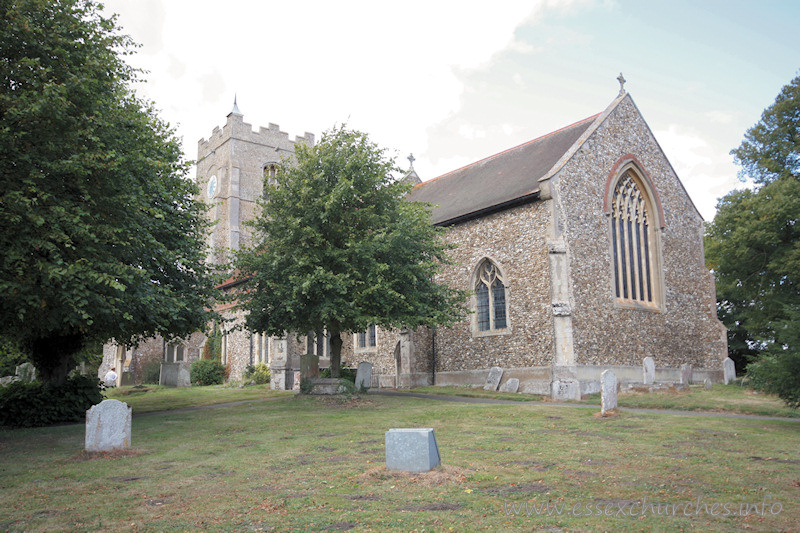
(526, 143)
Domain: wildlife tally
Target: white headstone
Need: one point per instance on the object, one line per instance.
(649, 370)
(26, 372)
(686, 374)
(565, 389)
(108, 426)
(728, 370)
(493, 379)
(512, 385)
(364, 376)
(707, 384)
(608, 391)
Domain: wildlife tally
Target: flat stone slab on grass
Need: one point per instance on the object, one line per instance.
(412, 450)
(512, 385)
(108, 427)
(493, 379)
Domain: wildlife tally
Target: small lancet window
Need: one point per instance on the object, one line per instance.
(270, 177)
(632, 240)
(490, 292)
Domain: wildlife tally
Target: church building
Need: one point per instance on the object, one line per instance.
(581, 249)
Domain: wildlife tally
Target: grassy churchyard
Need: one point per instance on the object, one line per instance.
(286, 462)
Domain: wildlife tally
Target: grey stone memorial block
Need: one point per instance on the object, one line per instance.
(412, 450)
(728, 370)
(686, 374)
(566, 389)
(363, 376)
(108, 426)
(648, 370)
(512, 385)
(493, 379)
(608, 391)
(707, 384)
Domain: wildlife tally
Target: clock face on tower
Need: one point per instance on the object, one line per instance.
(212, 187)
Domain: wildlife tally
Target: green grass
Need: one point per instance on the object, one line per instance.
(477, 392)
(149, 398)
(310, 464)
(722, 399)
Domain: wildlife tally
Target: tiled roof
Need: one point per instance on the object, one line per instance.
(498, 181)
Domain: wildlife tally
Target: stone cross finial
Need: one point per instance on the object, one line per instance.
(621, 81)
(411, 160)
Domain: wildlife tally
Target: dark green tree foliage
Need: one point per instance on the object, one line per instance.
(101, 235)
(753, 246)
(339, 248)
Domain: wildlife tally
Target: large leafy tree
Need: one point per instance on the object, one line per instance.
(753, 246)
(101, 236)
(339, 248)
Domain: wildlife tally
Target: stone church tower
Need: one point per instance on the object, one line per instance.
(231, 165)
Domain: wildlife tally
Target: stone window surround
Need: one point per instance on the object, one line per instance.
(261, 348)
(368, 347)
(473, 303)
(177, 351)
(624, 164)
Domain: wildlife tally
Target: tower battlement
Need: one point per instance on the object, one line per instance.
(237, 128)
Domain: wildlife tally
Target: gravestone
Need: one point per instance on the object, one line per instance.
(648, 370)
(108, 427)
(728, 370)
(8, 380)
(608, 391)
(707, 384)
(565, 389)
(412, 450)
(309, 366)
(493, 379)
(512, 385)
(686, 374)
(26, 372)
(363, 376)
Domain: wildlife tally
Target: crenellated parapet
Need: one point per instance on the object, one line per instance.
(236, 128)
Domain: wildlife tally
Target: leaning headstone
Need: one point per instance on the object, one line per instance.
(608, 391)
(493, 379)
(686, 374)
(309, 366)
(728, 370)
(363, 376)
(512, 385)
(707, 384)
(8, 380)
(26, 372)
(108, 427)
(412, 450)
(648, 370)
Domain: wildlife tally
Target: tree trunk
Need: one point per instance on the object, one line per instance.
(54, 356)
(336, 352)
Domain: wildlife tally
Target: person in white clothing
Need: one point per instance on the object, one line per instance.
(110, 378)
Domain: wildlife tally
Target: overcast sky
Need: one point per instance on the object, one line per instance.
(455, 81)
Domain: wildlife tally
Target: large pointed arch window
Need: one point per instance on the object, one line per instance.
(634, 242)
(490, 298)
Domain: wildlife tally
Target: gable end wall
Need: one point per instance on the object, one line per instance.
(686, 329)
